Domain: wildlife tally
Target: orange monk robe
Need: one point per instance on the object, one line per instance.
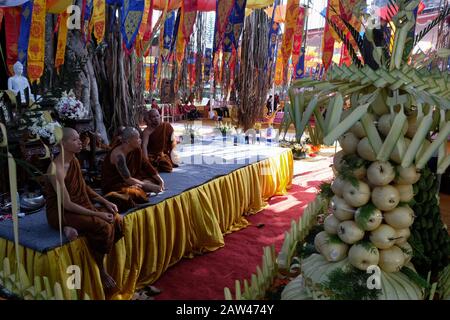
(160, 146)
(114, 186)
(100, 234)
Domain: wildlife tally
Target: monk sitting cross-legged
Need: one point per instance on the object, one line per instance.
(127, 175)
(102, 227)
(158, 142)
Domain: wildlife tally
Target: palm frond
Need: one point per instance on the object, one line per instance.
(444, 13)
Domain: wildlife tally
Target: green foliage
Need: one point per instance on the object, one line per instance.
(349, 284)
(364, 215)
(325, 190)
(415, 277)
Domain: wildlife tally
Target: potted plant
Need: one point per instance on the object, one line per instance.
(299, 151)
(224, 129)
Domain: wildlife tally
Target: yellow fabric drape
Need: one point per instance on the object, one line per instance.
(158, 236)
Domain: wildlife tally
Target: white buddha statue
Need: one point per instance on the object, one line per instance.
(19, 83)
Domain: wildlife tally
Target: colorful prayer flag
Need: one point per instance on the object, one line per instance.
(98, 19)
(24, 36)
(12, 25)
(132, 11)
(62, 40)
(327, 40)
(292, 12)
(298, 36)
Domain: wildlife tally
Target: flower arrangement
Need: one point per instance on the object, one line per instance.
(68, 107)
(299, 149)
(190, 133)
(224, 128)
(43, 127)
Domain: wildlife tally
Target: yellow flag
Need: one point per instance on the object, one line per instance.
(36, 43)
(98, 19)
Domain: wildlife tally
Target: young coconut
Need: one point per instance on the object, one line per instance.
(334, 249)
(349, 232)
(400, 218)
(363, 254)
(356, 195)
(337, 186)
(341, 209)
(407, 251)
(383, 237)
(354, 166)
(402, 235)
(407, 175)
(385, 198)
(380, 173)
(368, 217)
(406, 192)
(365, 150)
(392, 259)
(338, 162)
(320, 240)
(331, 224)
(348, 142)
(358, 129)
(385, 124)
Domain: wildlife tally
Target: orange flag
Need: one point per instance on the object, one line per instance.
(36, 43)
(328, 39)
(62, 40)
(292, 11)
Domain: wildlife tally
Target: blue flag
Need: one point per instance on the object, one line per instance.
(24, 36)
(273, 36)
(132, 11)
(300, 67)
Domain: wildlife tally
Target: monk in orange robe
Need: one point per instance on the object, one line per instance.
(158, 142)
(101, 227)
(127, 175)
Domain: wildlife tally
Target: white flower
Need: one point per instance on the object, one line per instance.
(68, 107)
(44, 129)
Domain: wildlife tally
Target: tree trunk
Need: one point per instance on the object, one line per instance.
(96, 107)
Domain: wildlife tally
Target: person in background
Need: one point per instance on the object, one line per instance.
(269, 105)
(155, 106)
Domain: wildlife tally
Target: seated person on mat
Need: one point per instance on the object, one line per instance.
(102, 227)
(127, 175)
(158, 141)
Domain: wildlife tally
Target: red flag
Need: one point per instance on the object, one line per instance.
(12, 28)
(298, 36)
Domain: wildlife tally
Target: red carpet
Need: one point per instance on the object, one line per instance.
(205, 277)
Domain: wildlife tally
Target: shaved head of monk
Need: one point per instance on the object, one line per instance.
(153, 118)
(132, 137)
(71, 140)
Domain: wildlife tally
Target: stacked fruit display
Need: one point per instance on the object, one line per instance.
(370, 216)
